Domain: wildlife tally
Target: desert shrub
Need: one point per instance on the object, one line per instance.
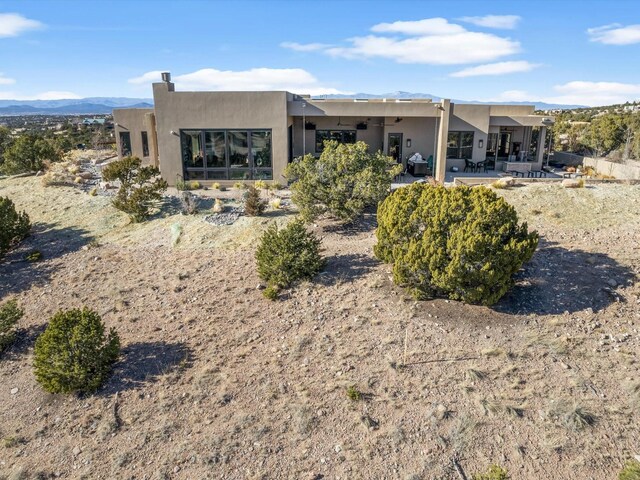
(194, 185)
(275, 186)
(239, 185)
(270, 292)
(218, 206)
(253, 204)
(354, 394)
(276, 203)
(215, 186)
(141, 187)
(33, 256)
(342, 182)
(631, 471)
(74, 354)
(188, 203)
(14, 226)
(287, 255)
(464, 243)
(261, 184)
(10, 313)
(495, 472)
(29, 153)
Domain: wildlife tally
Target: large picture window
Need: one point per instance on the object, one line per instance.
(227, 154)
(341, 136)
(460, 145)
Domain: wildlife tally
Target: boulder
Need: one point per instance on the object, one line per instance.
(571, 183)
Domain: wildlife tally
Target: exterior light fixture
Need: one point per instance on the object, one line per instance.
(173, 132)
(481, 143)
(408, 143)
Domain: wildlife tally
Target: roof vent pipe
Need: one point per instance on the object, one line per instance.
(166, 77)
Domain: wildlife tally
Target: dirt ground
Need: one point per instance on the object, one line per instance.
(217, 382)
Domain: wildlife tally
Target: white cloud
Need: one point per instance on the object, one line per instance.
(149, 77)
(508, 22)
(294, 80)
(499, 68)
(615, 34)
(595, 93)
(306, 47)
(13, 24)
(427, 26)
(578, 93)
(5, 80)
(55, 95)
(50, 95)
(433, 41)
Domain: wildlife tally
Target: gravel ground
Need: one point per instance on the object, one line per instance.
(217, 382)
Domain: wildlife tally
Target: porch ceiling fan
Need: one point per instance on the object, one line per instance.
(395, 122)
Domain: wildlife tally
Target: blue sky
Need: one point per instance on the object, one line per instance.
(579, 52)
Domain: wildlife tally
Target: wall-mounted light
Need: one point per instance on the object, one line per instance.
(408, 143)
(481, 143)
(173, 132)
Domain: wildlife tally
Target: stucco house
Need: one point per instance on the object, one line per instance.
(231, 136)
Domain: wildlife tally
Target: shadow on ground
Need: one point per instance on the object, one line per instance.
(367, 222)
(143, 362)
(346, 268)
(558, 280)
(18, 274)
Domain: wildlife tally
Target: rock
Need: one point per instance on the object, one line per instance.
(14, 391)
(571, 183)
(506, 181)
(612, 283)
(337, 448)
(85, 175)
(77, 450)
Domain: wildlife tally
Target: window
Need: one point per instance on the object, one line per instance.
(227, 154)
(125, 144)
(145, 144)
(460, 145)
(340, 136)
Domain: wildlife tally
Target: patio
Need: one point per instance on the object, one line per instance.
(469, 178)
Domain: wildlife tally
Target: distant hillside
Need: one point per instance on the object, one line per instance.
(83, 106)
(400, 94)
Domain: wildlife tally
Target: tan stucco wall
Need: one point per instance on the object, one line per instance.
(133, 120)
(177, 111)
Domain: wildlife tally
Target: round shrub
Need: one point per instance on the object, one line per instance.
(74, 354)
(287, 255)
(464, 243)
(14, 226)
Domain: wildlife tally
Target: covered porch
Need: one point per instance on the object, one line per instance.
(398, 128)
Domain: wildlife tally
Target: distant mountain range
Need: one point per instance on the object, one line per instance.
(80, 106)
(105, 105)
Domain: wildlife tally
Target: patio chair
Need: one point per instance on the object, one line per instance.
(430, 165)
(469, 166)
(489, 164)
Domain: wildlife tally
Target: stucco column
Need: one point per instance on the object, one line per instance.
(441, 141)
(152, 135)
(541, 139)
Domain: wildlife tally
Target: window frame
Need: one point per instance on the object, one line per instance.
(145, 143)
(319, 146)
(459, 148)
(229, 173)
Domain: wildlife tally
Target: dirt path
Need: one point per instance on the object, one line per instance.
(217, 382)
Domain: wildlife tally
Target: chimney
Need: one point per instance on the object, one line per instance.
(166, 77)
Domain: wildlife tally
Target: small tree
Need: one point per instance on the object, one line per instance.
(253, 204)
(74, 354)
(29, 153)
(342, 182)
(287, 255)
(464, 243)
(14, 226)
(9, 316)
(141, 187)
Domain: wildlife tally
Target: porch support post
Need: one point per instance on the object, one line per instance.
(541, 141)
(441, 141)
